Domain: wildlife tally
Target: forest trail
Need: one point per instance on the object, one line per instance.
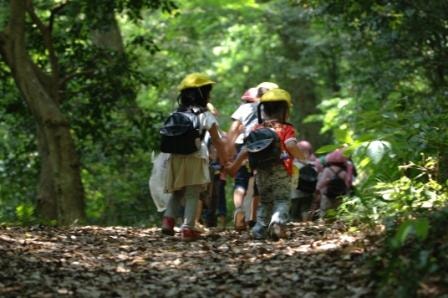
(316, 261)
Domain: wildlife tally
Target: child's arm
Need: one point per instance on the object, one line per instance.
(295, 151)
(232, 167)
(235, 129)
(323, 179)
(219, 144)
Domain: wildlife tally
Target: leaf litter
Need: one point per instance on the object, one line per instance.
(317, 260)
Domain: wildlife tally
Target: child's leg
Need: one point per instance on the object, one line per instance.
(294, 210)
(174, 204)
(240, 188)
(171, 213)
(325, 204)
(264, 209)
(254, 204)
(221, 204)
(281, 193)
(213, 202)
(277, 187)
(253, 210)
(191, 201)
(305, 206)
(198, 217)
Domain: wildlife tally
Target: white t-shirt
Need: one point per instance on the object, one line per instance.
(247, 115)
(207, 119)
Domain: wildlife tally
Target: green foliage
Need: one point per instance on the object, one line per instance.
(414, 257)
(18, 158)
(418, 228)
(117, 193)
(98, 88)
(391, 110)
(24, 213)
(4, 14)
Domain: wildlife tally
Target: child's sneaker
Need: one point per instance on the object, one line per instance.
(258, 232)
(168, 226)
(238, 219)
(200, 227)
(251, 223)
(277, 231)
(189, 234)
(221, 222)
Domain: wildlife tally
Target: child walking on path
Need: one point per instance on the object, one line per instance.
(304, 180)
(334, 181)
(273, 178)
(188, 174)
(216, 210)
(243, 120)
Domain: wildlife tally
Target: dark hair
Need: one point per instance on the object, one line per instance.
(195, 96)
(276, 110)
(261, 91)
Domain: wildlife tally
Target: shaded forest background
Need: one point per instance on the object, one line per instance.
(85, 85)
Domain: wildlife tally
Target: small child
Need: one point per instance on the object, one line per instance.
(216, 209)
(302, 196)
(188, 174)
(336, 167)
(273, 181)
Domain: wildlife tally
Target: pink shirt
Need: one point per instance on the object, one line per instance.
(326, 175)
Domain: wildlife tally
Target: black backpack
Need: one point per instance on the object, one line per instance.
(180, 133)
(307, 179)
(336, 187)
(263, 146)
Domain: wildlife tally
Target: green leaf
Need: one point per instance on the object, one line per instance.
(403, 232)
(421, 227)
(327, 148)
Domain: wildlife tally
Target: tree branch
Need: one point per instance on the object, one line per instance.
(67, 78)
(54, 11)
(48, 40)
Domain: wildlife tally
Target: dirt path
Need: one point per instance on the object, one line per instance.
(316, 261)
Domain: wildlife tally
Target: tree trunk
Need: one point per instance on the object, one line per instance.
(109, 36)
(307, 105)
(46, 204)
(60, 192)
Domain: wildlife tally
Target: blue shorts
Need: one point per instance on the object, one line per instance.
(243, 175)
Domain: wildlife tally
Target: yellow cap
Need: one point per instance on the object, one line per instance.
(195, 80)
(277, 95)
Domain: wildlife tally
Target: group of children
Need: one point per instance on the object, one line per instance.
(260, 144)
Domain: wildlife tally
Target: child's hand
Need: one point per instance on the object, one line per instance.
(231, 169)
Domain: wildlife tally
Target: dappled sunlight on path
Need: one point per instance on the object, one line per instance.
(316, 260)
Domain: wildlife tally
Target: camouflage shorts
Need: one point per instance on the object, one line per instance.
(274, 188)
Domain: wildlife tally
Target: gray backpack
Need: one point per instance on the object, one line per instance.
(263, 145)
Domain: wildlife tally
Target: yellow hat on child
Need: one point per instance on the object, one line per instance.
(277, 95)
(195, 80)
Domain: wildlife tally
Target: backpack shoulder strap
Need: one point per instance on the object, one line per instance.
(336, 172)
(191, 109)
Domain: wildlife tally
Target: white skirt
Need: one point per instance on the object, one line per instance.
(186, 170)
